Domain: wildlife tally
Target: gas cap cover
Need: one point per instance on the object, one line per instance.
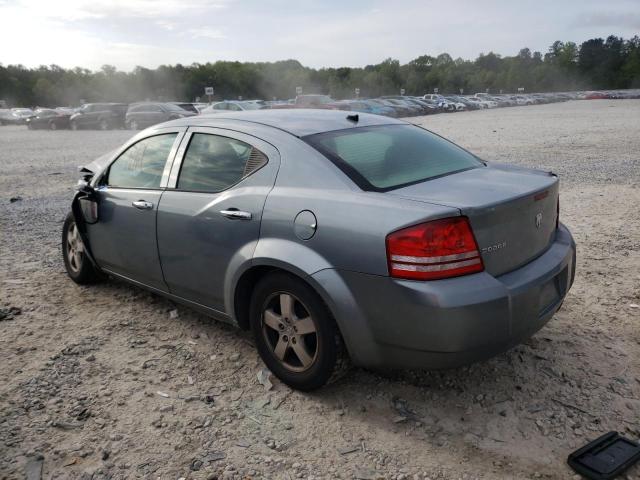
(305, 225)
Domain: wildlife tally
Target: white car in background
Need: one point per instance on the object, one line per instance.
(477, 102)
(486, 100)
(233, 106)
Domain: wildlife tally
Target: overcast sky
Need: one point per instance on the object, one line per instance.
(319, 33)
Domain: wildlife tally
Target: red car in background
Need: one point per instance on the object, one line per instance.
(596, 96)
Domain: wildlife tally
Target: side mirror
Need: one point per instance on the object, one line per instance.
(84, 186)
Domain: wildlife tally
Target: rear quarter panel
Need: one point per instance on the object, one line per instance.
(352, 225)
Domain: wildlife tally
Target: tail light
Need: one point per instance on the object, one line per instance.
(439, 249)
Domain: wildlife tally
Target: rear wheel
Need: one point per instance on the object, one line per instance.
(53, 126)
(73, 125)
(78, 266)
(295, 333)
(104, 124)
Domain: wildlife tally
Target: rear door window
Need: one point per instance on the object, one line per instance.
(142, 164)
(385, 157)
(213, 163)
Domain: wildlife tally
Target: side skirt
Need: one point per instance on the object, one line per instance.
(208, 311)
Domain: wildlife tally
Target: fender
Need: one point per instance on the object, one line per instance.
(287, 255)
(76, 211)
(298, 259)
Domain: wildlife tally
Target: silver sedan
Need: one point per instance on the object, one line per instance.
(332, 235)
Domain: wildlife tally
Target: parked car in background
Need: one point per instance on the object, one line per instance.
(595, 96)
(465, 101)
(487, 100)
(412, 108)
(459, 106)
(427, 108)
(310, 101)
(441, 102)
(48, 118)
(476, 103)
(145, 114)
(5, 116)
(199, 106)
(362, 107)
(103, 116)
(388, 244)
(233, 106)
(523, 100)
(401, 110)
(16, 116)
(188, 106)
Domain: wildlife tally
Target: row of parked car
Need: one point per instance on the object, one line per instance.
(106, 116)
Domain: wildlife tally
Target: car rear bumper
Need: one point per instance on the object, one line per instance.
(446, 323)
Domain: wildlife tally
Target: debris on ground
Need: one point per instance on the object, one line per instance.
(9, 313)
(264, 378)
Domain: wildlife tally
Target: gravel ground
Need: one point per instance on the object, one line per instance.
(106, 381)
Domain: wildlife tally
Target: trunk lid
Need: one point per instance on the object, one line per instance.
(512, 210)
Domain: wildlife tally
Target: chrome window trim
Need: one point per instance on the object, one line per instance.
(250, 140)
(180, 131)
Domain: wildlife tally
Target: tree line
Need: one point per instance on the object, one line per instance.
(597, 63)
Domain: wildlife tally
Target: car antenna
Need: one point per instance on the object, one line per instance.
(354, 118)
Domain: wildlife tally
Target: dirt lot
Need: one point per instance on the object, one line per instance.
(101, 382)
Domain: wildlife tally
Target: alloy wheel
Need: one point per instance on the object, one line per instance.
(75, 248)
(290, 331)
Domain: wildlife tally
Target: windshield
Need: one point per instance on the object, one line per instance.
(385, 157)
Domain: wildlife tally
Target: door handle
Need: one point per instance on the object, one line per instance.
(235, 214)
(142, 205)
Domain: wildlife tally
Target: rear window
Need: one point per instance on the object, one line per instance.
(385, 157)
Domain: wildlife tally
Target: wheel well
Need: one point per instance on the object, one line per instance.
(244, 289)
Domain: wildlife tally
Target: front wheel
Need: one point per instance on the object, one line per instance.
(53, 126)
(104, 124)
(295, 333)
(73, 125)
(78, 266)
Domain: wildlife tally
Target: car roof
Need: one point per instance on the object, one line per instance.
(298, 122)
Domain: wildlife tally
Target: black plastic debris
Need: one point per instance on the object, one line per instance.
(605, 457)
(9, 313)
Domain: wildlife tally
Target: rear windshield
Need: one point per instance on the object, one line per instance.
(385, 157)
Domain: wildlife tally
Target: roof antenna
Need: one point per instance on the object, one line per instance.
(354, 118)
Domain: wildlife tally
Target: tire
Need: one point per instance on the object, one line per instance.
(78, 266)
(73, 126)
(133, 125)
(104, 124)
(53, 126)
(282, 307)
